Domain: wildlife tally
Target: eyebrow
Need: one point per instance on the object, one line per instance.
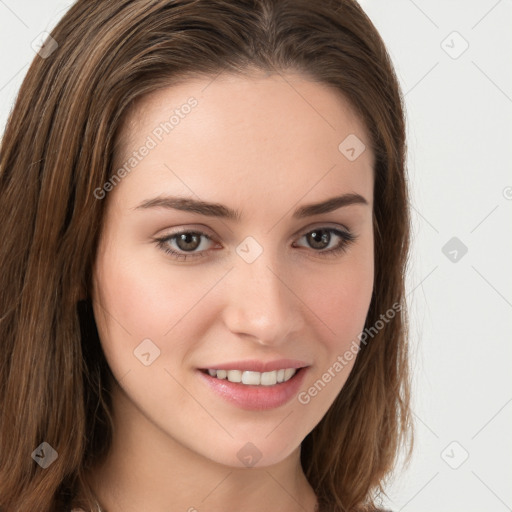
(219, 210)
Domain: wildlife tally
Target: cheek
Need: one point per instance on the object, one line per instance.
(341, 300)
(133, 297)
(140, 298)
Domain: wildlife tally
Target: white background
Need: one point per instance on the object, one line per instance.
(459, 110)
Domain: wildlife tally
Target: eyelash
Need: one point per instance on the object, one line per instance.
(346, 239)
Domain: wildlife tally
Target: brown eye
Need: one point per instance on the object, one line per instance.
(186, 244)
(188, 241)
(320, 239)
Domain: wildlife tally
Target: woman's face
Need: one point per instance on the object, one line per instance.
(252, 295)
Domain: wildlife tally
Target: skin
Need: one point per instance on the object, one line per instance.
(265, 146)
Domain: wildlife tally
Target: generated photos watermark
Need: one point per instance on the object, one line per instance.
(304, 397)
(156, 137)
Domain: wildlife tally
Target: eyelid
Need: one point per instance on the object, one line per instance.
(301, 232)
(346, 236)
(173, 234)
(322, 225)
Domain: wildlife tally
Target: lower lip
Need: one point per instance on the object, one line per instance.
(256, 398)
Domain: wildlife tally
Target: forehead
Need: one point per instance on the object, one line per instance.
(255, 134)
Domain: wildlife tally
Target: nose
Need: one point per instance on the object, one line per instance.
(261, 302)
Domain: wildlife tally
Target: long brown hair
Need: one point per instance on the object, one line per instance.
(58, 147)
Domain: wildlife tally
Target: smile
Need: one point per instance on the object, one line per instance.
(252, 378)
(254, 390)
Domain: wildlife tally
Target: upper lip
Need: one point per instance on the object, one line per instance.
(258, 366)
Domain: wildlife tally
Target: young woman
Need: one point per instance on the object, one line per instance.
(205, 228)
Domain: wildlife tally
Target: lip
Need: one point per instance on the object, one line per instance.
(254, 365)
(255, 398)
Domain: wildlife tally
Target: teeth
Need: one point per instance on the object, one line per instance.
(252, 378)
(269, 378)
(234, 376)
(289, 373)
(255, 378)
